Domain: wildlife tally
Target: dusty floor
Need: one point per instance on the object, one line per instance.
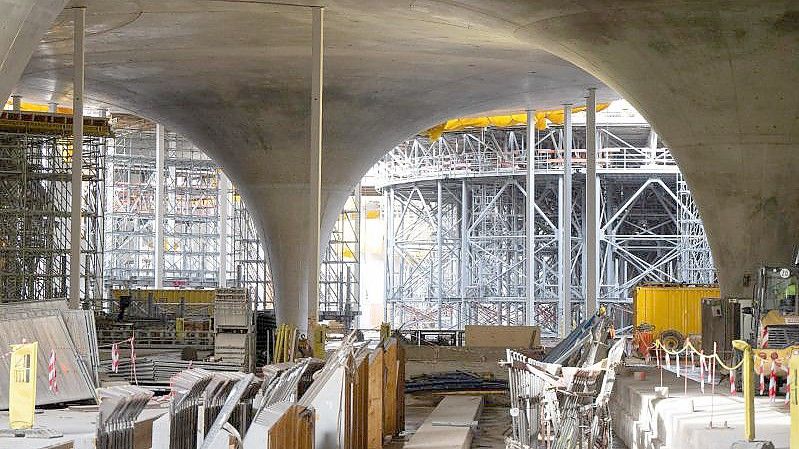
(494, 421)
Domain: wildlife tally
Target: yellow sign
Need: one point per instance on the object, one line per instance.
(22, 385)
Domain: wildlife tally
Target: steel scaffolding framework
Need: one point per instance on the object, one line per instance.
(457, 225)
(339, 280)
(35, 206)
(193, 203)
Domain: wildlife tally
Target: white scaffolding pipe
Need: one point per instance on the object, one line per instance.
(77, 158)
(464, 281)
(315, 169)
(160, 203)
(566, 225)
(439, 252)
(591, 206)
(530, 212)
(223, 204)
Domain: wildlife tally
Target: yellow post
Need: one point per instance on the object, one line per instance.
(748, 388)
(793, 383)
(319, 339)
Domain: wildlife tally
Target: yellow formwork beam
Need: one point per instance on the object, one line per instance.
(793, 391)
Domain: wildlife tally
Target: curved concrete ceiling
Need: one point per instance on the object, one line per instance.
(232, 76)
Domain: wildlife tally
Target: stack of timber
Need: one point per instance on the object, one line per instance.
(234, 328)
(450, 426)
(357, 399)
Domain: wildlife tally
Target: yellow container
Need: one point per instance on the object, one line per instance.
(672, 307)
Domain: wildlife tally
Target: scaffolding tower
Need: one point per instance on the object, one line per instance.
(340, 273)
(195, 203)
(457, 224)
(35, 204)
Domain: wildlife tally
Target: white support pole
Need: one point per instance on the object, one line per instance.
(530, 212)
(315, 170)
(592, 221)
(160, 204)
(566, 225)
(389, 267)
(75, 221)
(464, 253)
(223, 204)
(439, 253)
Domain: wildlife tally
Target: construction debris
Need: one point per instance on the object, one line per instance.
(562, 402)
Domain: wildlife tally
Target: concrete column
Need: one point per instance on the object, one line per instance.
(52, 107)
(160, 204)
(530, 212)
(315, 169)
(77, 159)
(223, 205)
(566, 225)
(16, 103)
(591, 216)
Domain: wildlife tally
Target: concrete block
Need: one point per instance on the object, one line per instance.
(752, 445)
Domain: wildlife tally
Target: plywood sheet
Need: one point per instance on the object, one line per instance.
(376, 382)
(516, 337)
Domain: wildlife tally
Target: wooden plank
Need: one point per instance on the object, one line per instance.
(517, 337)
(376, 381)
(294, 430)
(453, 416)
(390, 397)
(360, 413)
(143, 433)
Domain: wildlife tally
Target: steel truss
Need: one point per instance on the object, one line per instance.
(457, 225)
(35, 216)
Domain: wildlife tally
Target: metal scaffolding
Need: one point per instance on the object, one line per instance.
(339, 282)
(193, 207)
(35, 176)
(457, 225)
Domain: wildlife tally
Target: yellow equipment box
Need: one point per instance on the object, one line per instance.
(672, 309)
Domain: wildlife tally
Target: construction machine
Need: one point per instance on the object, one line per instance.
(775, 317)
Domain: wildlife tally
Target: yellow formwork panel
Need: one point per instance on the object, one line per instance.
(168, 295)
(668, 307)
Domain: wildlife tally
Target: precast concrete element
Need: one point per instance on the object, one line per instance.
(716, 78)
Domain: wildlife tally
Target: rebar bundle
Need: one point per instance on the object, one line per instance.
(119, 408)
(563, 407)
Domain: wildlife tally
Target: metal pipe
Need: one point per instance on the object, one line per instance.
(530, 213)
(223, 206)
(439, 252)
(77, 158)
(160, 203)
(748, 388)
(315, 161)
(566, 224)
(464, 256)
(591, 205)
